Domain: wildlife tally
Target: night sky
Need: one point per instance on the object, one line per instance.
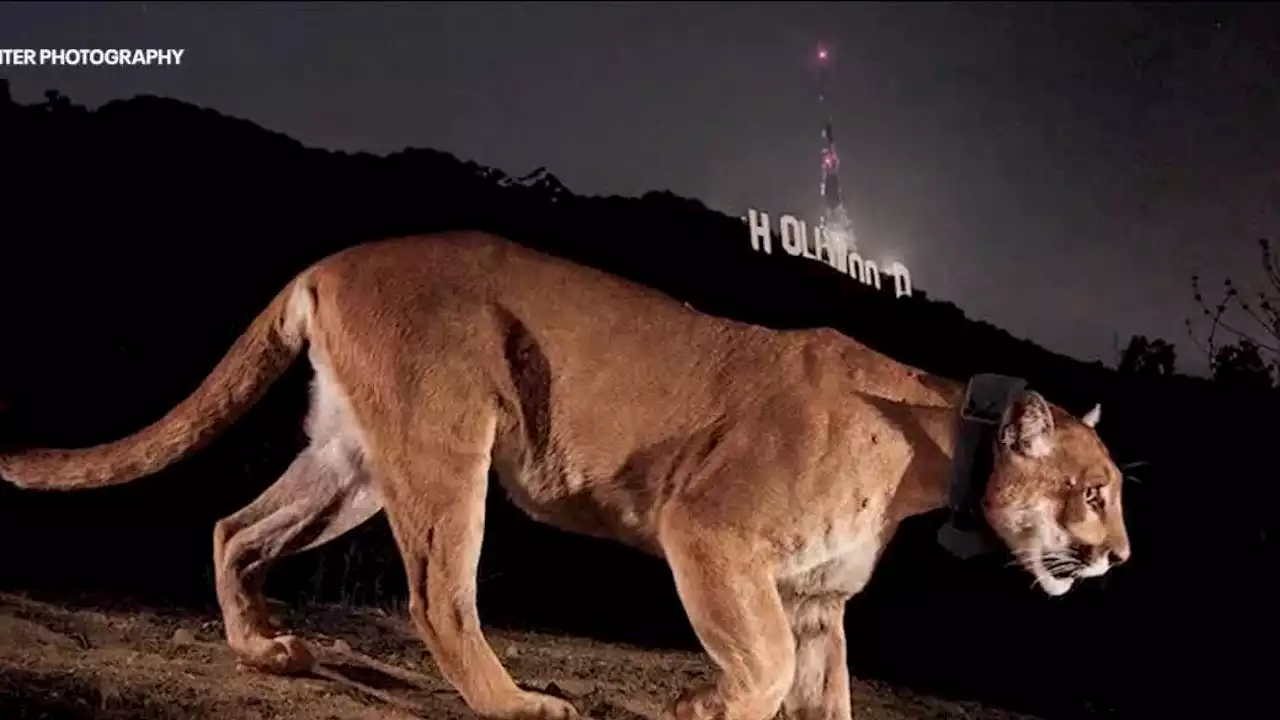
(1059, 170)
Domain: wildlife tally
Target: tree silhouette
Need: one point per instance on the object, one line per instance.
(55, 101)
(1257, 333)
(1148, 357)
(1240, 365)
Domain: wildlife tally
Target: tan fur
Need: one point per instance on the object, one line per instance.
(768, 468)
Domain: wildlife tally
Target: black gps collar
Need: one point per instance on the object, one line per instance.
(987, 398)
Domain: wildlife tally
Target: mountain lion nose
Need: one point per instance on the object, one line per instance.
(1118, 555)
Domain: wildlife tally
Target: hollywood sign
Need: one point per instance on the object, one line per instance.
(797, 241)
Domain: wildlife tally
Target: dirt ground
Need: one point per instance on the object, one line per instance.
(94, 661)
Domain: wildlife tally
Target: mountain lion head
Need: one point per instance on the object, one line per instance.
(1054, 495)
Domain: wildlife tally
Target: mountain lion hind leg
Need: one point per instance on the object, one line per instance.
(311, 504)
(324, 493)
(435, 491)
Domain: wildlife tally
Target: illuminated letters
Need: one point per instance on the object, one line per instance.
(901, 280)
(825, 249)
(792, 235)
(760, 237)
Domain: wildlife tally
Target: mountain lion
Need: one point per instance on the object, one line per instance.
(768, 468)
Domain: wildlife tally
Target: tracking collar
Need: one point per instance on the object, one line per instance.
(987, 398)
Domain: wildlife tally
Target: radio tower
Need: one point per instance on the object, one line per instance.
(834, 219)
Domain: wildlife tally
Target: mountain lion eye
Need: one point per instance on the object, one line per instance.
(1092, 495)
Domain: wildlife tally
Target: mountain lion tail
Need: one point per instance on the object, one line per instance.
(258, 358)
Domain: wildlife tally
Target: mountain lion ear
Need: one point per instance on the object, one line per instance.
(1092, 417)
(1028, 426)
